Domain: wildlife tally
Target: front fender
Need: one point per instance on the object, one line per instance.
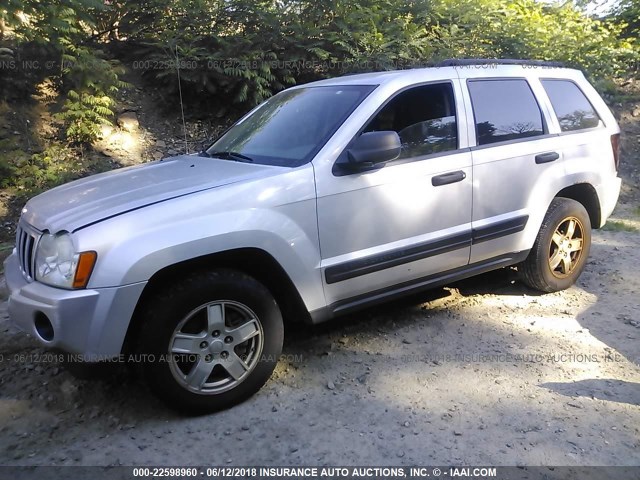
(279, 219)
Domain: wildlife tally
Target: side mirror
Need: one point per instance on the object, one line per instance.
(373, 148)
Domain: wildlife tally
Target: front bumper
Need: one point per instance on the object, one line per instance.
(89, 323)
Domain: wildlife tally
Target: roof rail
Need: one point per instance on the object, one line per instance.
(460, 62)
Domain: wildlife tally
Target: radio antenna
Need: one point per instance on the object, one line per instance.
(184, 124)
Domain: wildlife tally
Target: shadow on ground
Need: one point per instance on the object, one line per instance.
(611, 390)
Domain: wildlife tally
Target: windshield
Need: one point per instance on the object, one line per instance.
(291, 127)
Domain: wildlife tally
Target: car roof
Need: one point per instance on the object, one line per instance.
(421, 75)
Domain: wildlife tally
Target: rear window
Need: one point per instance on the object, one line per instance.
(504, 110)
(572, 108)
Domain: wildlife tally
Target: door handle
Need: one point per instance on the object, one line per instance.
(547, 157)
(447, 178)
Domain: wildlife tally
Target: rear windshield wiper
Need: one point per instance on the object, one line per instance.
(239, 157)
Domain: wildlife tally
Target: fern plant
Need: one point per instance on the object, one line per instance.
(87, 81)
(93, 82)
(84, 113)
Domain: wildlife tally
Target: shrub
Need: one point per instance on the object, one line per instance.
(30, 174)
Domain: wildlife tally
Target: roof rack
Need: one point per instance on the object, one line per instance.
(460, 62)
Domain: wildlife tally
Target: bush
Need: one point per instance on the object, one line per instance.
(63, 30)
(91, 82)
(531, 29)
(236, 53)
(31, 174)
(240, 52)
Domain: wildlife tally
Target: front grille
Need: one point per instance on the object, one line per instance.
(26, 241)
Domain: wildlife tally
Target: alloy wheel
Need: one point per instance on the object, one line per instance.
(215, 347)
(566, 247)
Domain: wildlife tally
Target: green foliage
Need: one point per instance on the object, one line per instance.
(83, 113)
(233, 54)
(619, 226)
(49, 21)
(239, 51)
(92, 82)
(366, 35)
(210, 68)
(30, 174)
(80, 71)
(627, 14)
(531, 29)
(17, 80)
(226, 52)
(10, 157)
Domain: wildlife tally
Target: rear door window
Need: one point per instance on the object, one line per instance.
(572, 108)
(504, 110)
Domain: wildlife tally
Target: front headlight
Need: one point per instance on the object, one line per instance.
(58, 264)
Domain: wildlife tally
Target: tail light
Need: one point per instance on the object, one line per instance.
(615, 146)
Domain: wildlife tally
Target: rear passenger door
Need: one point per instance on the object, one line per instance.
(515, 164)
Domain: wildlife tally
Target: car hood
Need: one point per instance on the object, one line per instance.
(89, 200)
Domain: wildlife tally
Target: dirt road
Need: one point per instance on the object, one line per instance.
(483, 372)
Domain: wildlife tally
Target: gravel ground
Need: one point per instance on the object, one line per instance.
(482, 372)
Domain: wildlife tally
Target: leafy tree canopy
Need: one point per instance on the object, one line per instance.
(239, 52)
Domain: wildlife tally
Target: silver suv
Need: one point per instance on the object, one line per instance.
(327, 198)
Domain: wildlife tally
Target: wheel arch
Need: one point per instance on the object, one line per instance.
(255, 262)
(585, 194)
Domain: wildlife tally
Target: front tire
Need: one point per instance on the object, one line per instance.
(562, 246)
(210, 341)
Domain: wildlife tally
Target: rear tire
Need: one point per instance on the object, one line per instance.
(560, 251)
(210, 341)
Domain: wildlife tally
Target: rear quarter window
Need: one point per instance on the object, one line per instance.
(573, 109)
(504, 110)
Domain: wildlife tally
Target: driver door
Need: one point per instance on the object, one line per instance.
(410, 219)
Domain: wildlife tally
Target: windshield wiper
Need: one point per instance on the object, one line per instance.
(238, 157)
